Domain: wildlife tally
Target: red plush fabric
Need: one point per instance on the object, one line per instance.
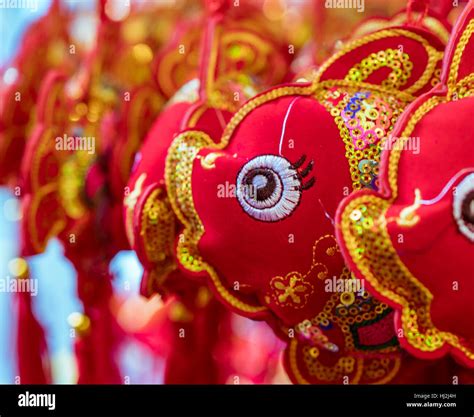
(262, 242)
(150, 166)
(429, 239)
(191, 358)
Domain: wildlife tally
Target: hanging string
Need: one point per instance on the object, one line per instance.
(421, 6)
(283, 129)
(215, 12)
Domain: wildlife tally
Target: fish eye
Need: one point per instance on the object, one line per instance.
(269, 187)
(463, 207)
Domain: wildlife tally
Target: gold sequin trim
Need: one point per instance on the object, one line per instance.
(434, 56)
(157, 230)
(458, 54)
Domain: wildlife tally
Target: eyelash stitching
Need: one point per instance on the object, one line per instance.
(299, 162)
(308, 184)
(304, 173)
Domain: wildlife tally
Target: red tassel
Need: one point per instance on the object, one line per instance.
(98, 333)
(33, 360)
(194, 341)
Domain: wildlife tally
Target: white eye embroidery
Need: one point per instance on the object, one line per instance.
(269, 187)
(463, 207)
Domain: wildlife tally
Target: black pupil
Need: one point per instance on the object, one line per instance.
(467, 209)
(260, 193)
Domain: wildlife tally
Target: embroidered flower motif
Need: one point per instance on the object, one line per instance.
(292, 290)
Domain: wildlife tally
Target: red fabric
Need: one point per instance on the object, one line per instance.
(412, 47)
(92, 235)
(191, 358)
(268, 243)
(265, 123)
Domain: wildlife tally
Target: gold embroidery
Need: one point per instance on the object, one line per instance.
(292, 290)
(378, 371)
(434, 56)
(209, 161)
(463, 89)
(187, 145)
(396, 152)
(294, 282)
(71, 180)
(430, 22)
(378, 261)
(458, 53)
(344, 366)
(382, 370)
(344, 310)
(408, 216)
(370, 246)
(394, 59)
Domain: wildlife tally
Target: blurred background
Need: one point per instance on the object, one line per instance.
(57, 276)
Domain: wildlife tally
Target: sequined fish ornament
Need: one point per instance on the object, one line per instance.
(284, 162)
(412, 241)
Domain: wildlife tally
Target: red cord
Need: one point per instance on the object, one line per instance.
(421, 6)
